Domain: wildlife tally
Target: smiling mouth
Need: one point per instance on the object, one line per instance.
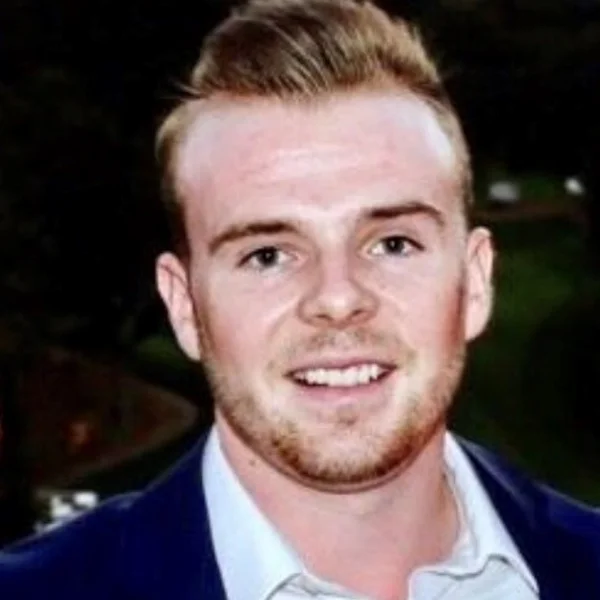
(357, 375)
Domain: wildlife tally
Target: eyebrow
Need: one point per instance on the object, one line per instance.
(273, 227)
(406, 209)
(245, 230)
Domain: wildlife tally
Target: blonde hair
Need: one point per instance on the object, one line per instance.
(305, 50)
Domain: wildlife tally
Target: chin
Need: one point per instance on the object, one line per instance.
(353, 447)
(347, 461)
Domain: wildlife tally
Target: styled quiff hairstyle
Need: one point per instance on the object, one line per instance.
(303, 51)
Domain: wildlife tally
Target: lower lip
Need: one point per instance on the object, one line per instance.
(342, 394)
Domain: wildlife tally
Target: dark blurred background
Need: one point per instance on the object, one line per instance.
(93, 391)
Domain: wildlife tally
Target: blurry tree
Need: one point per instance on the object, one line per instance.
(71, 224)
(525, 77)
(63, 228)
(81, 85)
(591, 181)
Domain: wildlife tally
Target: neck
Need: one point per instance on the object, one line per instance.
(370, 540)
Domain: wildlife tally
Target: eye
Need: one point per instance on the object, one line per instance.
(395, 244)
(264, 258)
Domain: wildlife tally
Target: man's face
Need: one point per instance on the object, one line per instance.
(331, 284)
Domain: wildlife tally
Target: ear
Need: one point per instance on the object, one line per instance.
(173, 286)
(479, 291)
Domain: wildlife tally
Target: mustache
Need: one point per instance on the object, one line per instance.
(358, 339)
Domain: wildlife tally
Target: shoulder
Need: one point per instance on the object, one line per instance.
(572, 516)
(136, 541)
(508, 486)
(67, 559)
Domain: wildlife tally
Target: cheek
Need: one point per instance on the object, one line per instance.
(241, 323)
(229, 329)
(441, 322)
(427, 304)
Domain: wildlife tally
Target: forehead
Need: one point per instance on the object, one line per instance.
(241, 153)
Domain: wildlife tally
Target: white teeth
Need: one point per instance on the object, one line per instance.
(374, 372)
(359, 375)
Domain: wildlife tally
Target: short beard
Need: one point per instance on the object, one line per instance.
(383, 455)
(296, 451)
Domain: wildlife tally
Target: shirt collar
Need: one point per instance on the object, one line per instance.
(483, 536)
(253, 557)
(255, 560)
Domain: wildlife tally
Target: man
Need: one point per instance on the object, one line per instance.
(328, 280)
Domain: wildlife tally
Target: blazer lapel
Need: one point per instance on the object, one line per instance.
(166, 547)
(562, 560)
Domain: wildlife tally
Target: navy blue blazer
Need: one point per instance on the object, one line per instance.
(156, 544)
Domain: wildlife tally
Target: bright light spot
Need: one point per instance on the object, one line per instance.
(574, 186)
(504, 192)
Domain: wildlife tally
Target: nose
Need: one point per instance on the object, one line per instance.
(337, 297)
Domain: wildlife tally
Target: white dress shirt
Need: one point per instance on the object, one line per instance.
(256, 563)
